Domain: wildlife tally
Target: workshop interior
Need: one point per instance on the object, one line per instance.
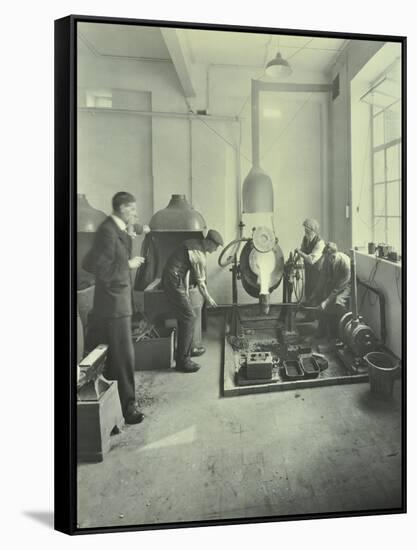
(284, 150)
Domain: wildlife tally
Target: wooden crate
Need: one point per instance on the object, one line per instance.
(156, 353)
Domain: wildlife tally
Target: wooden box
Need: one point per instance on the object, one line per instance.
(156, 353)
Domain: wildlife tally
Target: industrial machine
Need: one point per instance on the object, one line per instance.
(258, 262)
(287, 355)
(169, 228)
(356, 337)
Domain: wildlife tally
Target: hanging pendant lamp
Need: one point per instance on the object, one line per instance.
(278, 67)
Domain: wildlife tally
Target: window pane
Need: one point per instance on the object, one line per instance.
(379, 230)
(378, 130)
(393, 163)
(394, 233)
(393, 198)
(379, 168)
(379, 200)
(392, 125)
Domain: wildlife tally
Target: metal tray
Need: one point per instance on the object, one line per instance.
(292, 370)
(310, 366)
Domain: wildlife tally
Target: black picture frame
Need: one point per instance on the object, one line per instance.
(65, 268)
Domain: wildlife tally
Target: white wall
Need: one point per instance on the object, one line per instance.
(352, 59)
(361, 169)
(114, 154)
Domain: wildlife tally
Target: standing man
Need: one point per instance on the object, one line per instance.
(333, 291)
(110, 260)
(187, 266)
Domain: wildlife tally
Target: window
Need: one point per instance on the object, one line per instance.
(385, 102)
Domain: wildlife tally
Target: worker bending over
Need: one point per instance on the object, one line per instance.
(333, 290)
(184, 268)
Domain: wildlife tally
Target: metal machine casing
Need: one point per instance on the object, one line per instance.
(259, 365)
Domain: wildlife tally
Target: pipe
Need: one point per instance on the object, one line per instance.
(381, 298)
(190, 132)
(157, 113)
(355, 320)
(255, 123)
(223, 252)
(239, 176)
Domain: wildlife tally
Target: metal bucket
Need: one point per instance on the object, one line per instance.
(383, 370)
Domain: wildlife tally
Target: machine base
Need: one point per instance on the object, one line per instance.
(266, 334)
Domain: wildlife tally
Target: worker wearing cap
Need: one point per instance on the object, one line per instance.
(186, 267)
(311, 250)
(333, 290)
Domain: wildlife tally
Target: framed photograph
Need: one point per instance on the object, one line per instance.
(230, 274)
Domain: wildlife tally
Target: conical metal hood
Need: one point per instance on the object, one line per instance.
(257, 192)
(88, 218)
(179, 215)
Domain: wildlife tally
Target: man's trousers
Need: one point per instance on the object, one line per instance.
(120, 364)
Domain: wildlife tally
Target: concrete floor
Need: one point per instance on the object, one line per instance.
(198, 456)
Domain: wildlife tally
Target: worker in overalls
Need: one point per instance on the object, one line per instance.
(184, 268)
(332, 294)
(311, 250)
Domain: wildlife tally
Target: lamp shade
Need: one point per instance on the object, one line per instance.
(278, 67)
(257, 192)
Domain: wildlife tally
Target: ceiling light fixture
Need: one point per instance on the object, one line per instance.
(278, 67)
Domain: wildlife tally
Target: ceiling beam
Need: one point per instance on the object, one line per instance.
(179, 54)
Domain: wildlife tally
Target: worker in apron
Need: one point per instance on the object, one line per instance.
(311, 251)
(186, 267)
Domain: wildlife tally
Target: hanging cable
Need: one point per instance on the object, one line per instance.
(365, 158)
(241, 155)
(299, 49)
(224, 139)
(371, 281)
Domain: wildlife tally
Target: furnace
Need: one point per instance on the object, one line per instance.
(169, 228)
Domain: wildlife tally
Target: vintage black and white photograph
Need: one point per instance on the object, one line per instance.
(238, 226)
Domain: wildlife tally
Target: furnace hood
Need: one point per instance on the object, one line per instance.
(178, 216)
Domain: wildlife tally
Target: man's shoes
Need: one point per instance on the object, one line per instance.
(197, 351)
(133, 414)
(188, 366)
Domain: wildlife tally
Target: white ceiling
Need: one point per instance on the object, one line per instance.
(123, 41)
(235, 48)
(210, 47)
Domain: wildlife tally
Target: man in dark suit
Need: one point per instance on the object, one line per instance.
(110, 260)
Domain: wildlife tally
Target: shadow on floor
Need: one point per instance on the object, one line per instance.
(45, 518)
(371, 403)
